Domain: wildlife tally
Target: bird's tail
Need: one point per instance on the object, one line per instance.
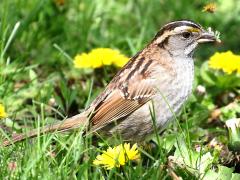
(74, 122)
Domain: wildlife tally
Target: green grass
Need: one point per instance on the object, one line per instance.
(36, 68)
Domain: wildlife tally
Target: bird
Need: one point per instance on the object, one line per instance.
(156, 81)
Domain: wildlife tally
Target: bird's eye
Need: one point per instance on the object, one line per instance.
(186, 35)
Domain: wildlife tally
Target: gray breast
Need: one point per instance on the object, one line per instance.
(169, 102)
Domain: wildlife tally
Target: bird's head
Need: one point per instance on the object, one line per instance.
(181, 38)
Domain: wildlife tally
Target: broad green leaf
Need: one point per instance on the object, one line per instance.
(224, 172)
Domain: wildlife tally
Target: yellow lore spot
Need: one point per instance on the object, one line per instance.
(194, 30)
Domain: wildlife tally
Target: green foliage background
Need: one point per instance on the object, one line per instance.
(37, 67)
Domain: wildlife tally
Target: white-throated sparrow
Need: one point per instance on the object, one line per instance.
(159, 77)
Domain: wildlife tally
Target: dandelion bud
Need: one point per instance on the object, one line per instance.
(233, 126)
(201, 90)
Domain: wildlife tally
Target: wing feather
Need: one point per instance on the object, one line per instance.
(130, 89)
(116, 105)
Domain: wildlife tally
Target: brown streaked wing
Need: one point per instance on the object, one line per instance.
(118, 105)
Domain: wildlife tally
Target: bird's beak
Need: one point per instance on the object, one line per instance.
(208, 36)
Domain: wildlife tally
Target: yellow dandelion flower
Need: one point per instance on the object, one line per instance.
(120, 61)
(226, 61)
(99, 57)
(59, 2)
(3, 114)
(210, 7)
(117, 156)
(85, 61)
